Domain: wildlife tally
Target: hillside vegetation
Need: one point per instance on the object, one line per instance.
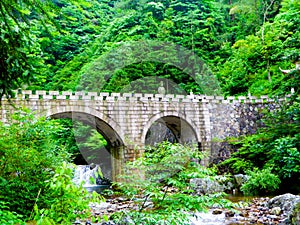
(212, 47)
(73, 45)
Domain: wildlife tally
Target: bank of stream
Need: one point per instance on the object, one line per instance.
(252, 210)
(248, 210)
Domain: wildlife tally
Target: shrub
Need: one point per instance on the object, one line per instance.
(9, 218)
(260, 182)
(34, 174)
(29, 155)
(166, 171)
(66, 201)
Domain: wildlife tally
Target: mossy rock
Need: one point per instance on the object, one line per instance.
(295, 216)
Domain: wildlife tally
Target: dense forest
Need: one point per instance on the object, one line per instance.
(65, 45)
(213, 47)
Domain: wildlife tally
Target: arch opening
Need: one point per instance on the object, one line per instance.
(172, 129)
(98, 143)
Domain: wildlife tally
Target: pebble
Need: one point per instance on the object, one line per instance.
(217, 211)
(256, 212)
(229, 213)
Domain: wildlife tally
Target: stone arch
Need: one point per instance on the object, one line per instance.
(111, 129)
(105, 125)
(180, 125)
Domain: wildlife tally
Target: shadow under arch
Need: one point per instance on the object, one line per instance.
(104, 125)
(184, 130)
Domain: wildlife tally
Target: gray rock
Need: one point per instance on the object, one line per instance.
(295, 215)
(209, 185)
(240, 179)
(103, 206)
(206, 186)
(276, 211)
(290, 205)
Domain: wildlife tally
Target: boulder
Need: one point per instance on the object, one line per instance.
(240, 179)
(289, 205)
(205, 185)
(295, 215)
(210, 185)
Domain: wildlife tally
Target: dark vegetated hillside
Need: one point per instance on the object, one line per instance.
(243, 42)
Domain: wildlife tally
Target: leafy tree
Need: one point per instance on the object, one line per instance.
(79, 25)
(163, 179)
(35, 176)
(246, 17)
(22, 45)
(19, 53)
(255, 61)
(29, 155)
(175, 22)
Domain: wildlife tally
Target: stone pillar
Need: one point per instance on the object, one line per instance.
(118, 162)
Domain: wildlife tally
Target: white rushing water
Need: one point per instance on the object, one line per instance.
(85, 174)
(208, 219)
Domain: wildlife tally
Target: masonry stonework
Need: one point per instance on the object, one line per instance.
(124, 119)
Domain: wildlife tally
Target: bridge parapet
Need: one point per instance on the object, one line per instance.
(132, 97)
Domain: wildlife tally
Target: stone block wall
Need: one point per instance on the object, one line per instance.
(125, 118)
(236, 117)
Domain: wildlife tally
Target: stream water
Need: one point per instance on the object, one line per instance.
(90, 177)
(256, 211)
(208, 219)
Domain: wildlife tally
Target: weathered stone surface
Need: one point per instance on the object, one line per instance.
(125, 119)
(209, 185)
(295, 215)
(276, 211)
(290, 205)
(206, 186)
(240, 179)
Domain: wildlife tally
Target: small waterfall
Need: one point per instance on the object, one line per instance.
(85, 173)
(91, 177)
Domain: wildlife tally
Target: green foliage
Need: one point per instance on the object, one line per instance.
(244, 42)
(162, 177)
(20, 54)
(29, 154)
(65, 136)
(254, 63)
(260, 182)
(248, 15)
(150, 218)
(164, 22)
(274, 146)
(9, 218)
(35, 179)
(66, 201)
(286, 156)
(81, 141)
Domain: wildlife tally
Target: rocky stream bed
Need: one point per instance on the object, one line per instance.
(280, 210)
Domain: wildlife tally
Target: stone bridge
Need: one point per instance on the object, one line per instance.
(125, 119)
